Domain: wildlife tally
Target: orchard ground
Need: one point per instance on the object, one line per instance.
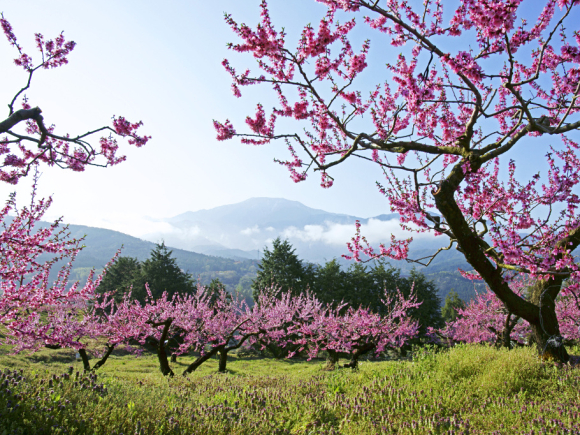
(471, 389)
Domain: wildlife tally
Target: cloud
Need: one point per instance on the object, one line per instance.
(250, 231)
(137, 226)
(376, 231)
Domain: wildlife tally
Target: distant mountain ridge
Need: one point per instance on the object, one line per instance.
(242, 230)
(227, 241)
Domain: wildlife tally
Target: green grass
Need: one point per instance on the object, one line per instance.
(468, 389)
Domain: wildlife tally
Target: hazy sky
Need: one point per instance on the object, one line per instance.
(160, 62)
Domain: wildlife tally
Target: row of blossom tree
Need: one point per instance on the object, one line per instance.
(38, 314)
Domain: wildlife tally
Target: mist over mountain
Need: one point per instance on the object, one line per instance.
(226, 242)
(242, 230)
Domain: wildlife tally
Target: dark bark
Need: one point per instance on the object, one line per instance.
(332, 360)
(85, 359)
(359, 351)
(223, 360)
(104, 358)
(23, 115)
(333, 357)
(161, 352)
(510, 324)
(546, 332)
(199, 361)
(540, 310)
(404, 350)
(173, 357)
(223, 355)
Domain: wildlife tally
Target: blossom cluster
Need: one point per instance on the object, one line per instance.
(41, 143)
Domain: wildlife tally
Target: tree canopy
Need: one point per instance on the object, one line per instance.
(159, 271)
(468, 93)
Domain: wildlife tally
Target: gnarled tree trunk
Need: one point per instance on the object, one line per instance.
(161, 352)
(539, 311)
(546, 332)
(199, 361)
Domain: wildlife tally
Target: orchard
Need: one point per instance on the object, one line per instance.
(446, 121)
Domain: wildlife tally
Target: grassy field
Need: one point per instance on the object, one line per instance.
(468, 389)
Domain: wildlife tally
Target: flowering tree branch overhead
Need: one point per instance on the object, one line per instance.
(38, 142)
(441, 124)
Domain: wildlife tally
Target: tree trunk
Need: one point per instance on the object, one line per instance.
(353, 363)
(203, 358)
(539, 313)
(85, 359)
(546, 332)
(223, 360)
(103, 360)
(332, 360)
(173, 357)
(161, 353)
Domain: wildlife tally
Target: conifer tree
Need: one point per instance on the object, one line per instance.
(452, 303)
(120, 277)
(162, 274)
(281, 267)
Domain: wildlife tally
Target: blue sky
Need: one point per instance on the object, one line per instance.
(160, 62)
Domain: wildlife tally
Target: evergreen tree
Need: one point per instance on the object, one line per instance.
(429, 312)
(452, 303)
(330, 283)
(359, 286)
(244, 288)
(282, 268)
(120, 277)
(163, 274)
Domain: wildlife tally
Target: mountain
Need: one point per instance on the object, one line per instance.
(101, 245)
(226, 242)
(242, 230)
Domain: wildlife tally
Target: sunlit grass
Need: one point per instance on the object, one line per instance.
(468, 389)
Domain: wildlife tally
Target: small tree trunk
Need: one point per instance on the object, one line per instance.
(353, 364)
(161, 353)
(332, 360)
(223, 360)
(194, 365)
(85, 359)
(173, 357)
(103, 360)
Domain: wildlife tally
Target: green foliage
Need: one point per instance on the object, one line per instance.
(282, 268)
(244, 288)
(358, 286)
(160, 271)
(163, 274)
(452, 304)
(361, 286)
(121, 277)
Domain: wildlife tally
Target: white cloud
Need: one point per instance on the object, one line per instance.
(137, 226)
(375, 231)
(250, 231)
